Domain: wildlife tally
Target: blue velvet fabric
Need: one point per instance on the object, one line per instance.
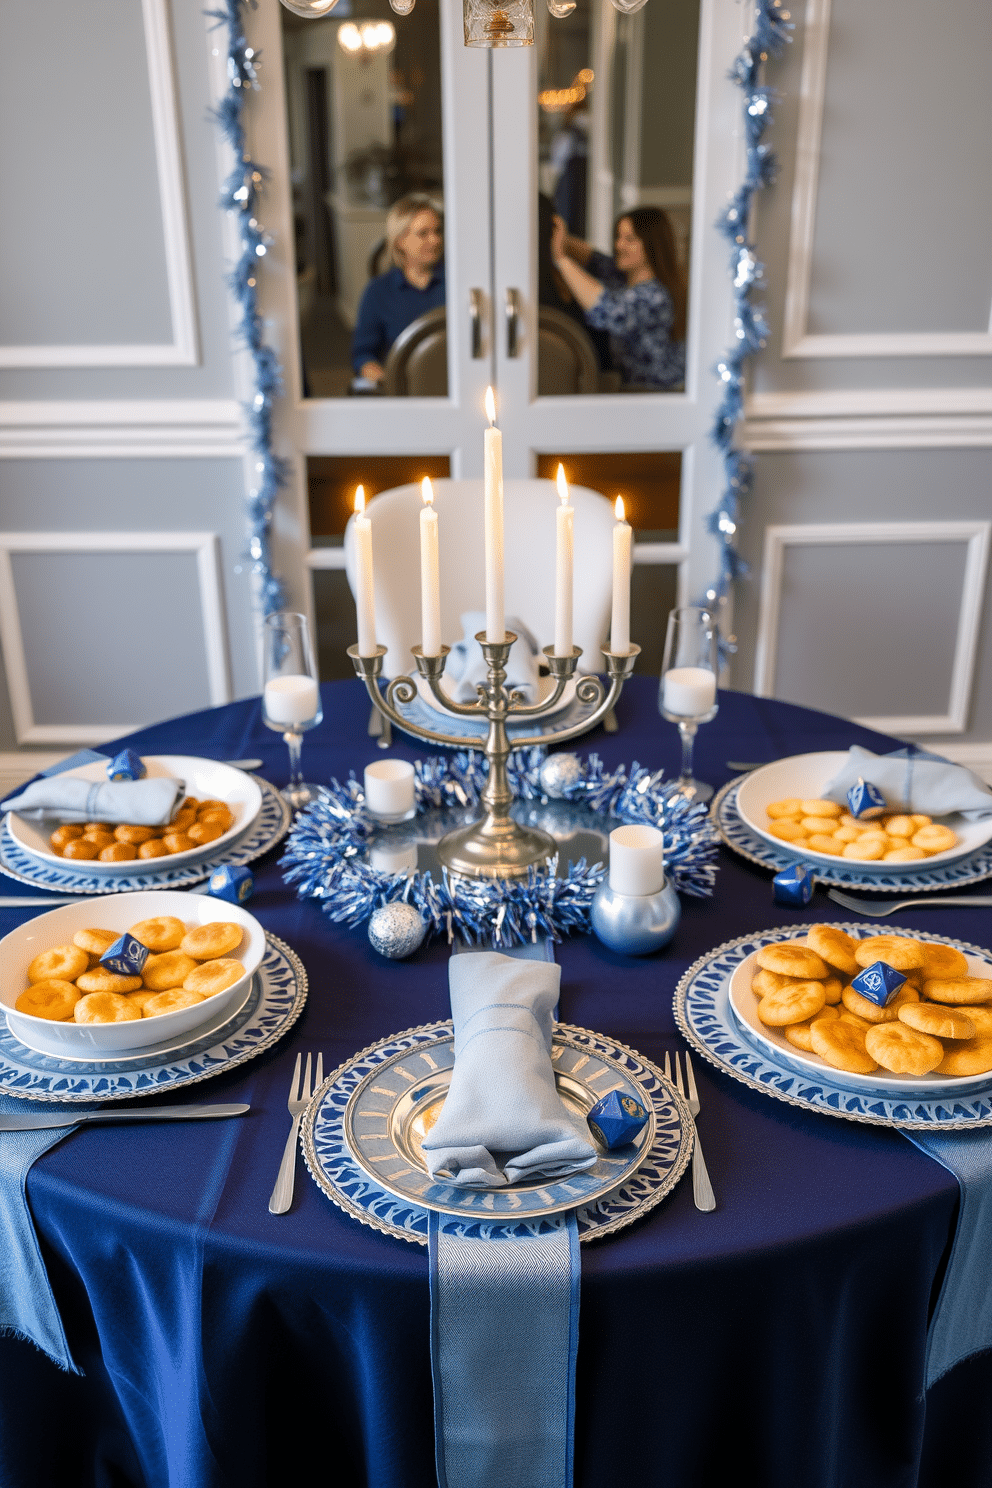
(782, 1337)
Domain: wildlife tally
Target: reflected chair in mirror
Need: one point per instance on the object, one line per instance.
(529, 526)
(417, 364)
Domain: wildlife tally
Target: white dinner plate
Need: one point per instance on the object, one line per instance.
(205, 779)
(804, 776)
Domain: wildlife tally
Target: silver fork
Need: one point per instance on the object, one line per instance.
(300, 1093)
(875, 911)
(702, 1188)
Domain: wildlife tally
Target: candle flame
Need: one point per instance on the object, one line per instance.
(562, 485)
(490, 407)
(619, 509)
(427, 491)
(359, 500)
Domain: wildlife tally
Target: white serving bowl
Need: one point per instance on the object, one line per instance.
(207, 780)
(119, 912)
(804, 776)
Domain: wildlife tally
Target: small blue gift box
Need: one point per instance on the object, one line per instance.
(126, 766)
(126, 956)
(879, 983)
(793, 885)
(616, 1119)
(866, 801)
(233, 884)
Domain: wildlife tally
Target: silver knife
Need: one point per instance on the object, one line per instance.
(40, 1120)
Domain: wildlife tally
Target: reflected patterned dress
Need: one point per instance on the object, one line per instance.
(638, 319)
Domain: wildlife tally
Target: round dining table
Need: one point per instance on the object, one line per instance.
(778, 1340)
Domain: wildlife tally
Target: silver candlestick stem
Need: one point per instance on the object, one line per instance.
(495, 846)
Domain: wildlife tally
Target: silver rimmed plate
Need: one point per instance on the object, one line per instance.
(569, 711)
(276, 999)
(390, 1188)
(704, 1014)
(268, 828)
(973, 868)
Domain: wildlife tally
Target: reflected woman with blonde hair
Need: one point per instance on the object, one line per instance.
(412, 285)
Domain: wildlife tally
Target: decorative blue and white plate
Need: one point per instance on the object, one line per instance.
(422, 714)
(278, 993)
(616, 1191)
(703, 1012)
(973, 868)
(269, 827)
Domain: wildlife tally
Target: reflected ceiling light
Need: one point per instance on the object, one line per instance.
(311, 10)
(561, 8)
(488, 23)
(369, 37)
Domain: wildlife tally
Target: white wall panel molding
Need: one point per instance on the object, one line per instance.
(206, 547)
(183, 349)
(960, 432)
(977, 757)
(796, 339)
(134, 430)
(975, 536)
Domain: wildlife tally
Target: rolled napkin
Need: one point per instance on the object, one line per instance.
(466, 665)
(503, 1119)
(911, 779)
(144, 803)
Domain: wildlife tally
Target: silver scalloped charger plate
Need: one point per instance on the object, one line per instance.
(382, 1180)
(973, 868)
(566, 715)
(278, 992)
(269, 827)
(705, 1016)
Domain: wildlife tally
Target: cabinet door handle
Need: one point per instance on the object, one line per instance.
(512, 321)
(476, 302)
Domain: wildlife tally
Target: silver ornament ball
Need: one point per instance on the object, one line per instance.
(558, 773)
(396, 930)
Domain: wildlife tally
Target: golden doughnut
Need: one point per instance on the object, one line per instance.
(848, 1017)
(795, 1004)
(787, 830)
(153, 848)
(191, 803)
(169, 1001)
(973, 1057)
(817, 824)
(211, 806)
(904, 1050)
(792, 959)
(217, 938)
(61, 964)
(105, 1007)
(201, 832)
(906, 854)
(934, 838)
(836, 947)
(95, 942)
(822, 843)
(900, 826)
(53, 1000)
(118, 852)
(168, 970)
(871, 1012)
(899, 951)
(101, 980)
(217, 976)
(799, 1033)
(62, 835)
(940, 1022)
(866, 849)
(177, 842)
(161, 933)
(128, 833)
(140, 998)
(847, 834)
(791, 807)
(832, 988)
(958, 990)
(764, 982)
(820, 808)
(182, 821)
(81, 847)
(841, 1044)
(977, 1014)
(919, 820)
(943, 961)
(220, 814)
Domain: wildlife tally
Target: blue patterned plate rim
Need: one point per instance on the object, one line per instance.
(268, 828)
(973, 868)
(703, 1013)
(336, 1171)
(278, 994)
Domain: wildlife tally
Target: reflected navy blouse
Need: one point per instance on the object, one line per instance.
(638, 318)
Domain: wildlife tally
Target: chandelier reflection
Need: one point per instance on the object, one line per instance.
(487, 23)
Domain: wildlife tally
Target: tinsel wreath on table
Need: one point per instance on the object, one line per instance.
(325, 850)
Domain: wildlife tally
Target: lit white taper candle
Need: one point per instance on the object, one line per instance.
(430, 575)
(493, 447)
(620, 626)
(365, 587)
(564, 544)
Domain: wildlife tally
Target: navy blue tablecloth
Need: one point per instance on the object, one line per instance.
(780, 1339)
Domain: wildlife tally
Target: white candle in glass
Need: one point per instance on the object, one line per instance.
(493, 450)
(389, 789)
(637, 860)
(290, 699)
(564, 546)
(689, 692)
(620, 624)
(365, 594)
(430, 575)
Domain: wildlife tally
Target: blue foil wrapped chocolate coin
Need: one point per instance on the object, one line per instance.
(126, 766)
(616, 1119)
(794, 885)
(126, 957)
(230, 883)
(879, 982)
(866, 801)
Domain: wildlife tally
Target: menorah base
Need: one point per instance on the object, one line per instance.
(495, 848)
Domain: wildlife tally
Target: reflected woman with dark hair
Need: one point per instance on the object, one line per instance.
(638, 296)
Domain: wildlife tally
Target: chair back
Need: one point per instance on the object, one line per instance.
(566, 358)
(417, 364)
(529, 528)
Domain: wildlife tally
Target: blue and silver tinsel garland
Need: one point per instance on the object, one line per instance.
(326, 847)
(768, 39)
(241, 194)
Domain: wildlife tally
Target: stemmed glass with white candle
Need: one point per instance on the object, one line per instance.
(290, 696)
(687, 696)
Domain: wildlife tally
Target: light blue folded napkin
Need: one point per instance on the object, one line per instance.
(503, 1119)
(912, 780)
(145, 803)
(466, 665)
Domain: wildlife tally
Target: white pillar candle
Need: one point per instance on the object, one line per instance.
(689, 692)
(620, 624)
(493, 451)
(430, 575)
(564, 546)
(365, 592)
(389, 789)
(637, 862)
(291, 699)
